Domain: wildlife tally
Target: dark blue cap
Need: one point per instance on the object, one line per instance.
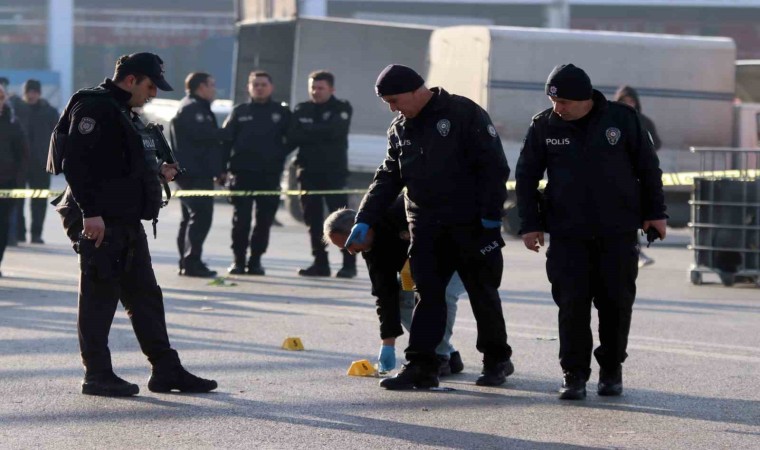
(569, 82)
(397, 79)
(148, 64)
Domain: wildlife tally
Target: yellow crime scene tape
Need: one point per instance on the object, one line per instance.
(668, 179)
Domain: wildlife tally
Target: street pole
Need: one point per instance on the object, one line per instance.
(557, 14)
(60, 47)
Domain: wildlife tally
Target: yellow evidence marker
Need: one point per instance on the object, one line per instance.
(361, 368)
(292, 343)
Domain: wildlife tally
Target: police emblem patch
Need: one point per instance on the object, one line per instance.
(276, 117)
(491, 130)
(613, 135)
(326, 115)
(199, 117)
(344, 115)
(553, 91)
(86, 125)
(443, 126)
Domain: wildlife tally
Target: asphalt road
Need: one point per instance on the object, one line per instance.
(691, 380)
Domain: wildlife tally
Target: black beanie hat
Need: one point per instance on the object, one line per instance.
(397, 79)
(32, 85)
(569, 82)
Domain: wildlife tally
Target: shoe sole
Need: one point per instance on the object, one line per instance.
(170, 389)
(498, 383)
(411, 386)
(572, 396)
(609, 391)
(86, 390)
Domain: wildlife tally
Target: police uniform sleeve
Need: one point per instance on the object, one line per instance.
(490, 163)
(528, 173)
(88, 155)
(231, 129)
(647, 168)
(385, 187)
(295, 132)
(287, 120)
(21, 154)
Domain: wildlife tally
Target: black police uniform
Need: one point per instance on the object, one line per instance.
(38, 121)
(450, 159)
(13, 161)
(106, 170)
(196, 139)
(604, 180)
(320, 131)
(255, 156)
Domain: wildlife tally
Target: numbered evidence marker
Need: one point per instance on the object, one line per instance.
(361, 368)
(292, 343)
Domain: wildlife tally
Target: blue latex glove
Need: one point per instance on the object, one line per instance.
(386, 360)
(490, 224)
(358, 234)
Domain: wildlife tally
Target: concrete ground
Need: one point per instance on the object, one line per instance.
(691, 380)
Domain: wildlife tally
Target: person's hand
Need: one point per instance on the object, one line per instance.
(94, 229)
(169, 171)
(533, 240)
(659, 225)
(221, 179)
(357, 236)
(386, 360)
(490, 224)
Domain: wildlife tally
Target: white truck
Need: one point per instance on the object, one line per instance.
(687, 84)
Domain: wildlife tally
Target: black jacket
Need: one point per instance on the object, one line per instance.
(38, 121)
(104, 162)
(646, 122)
(13, 149)
(320, 131)
(256, 134)
(196, 138)
(450, 160)
(384, 261)
(608, 184)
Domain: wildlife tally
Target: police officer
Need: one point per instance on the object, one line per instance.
(604, 183)
(444, 149)
(256, 155)
(196, 139)
(13, 162)
(385, 251)
(319, 128)
(109, 161)
(38, 119)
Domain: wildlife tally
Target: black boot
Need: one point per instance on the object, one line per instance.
(178, 379)
(320, 268)
(107, 384)
(198, 269)
(412, 375)
(444, 368)
(573, 387)
(610, 381)
(254, 266)
(455, 362)
(236, 268)
(495, 373)
(349, 266)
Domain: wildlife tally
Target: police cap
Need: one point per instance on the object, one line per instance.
(397, 79)
(569, 82)
(148, 64)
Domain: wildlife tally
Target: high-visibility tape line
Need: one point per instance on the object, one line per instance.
(668, 179)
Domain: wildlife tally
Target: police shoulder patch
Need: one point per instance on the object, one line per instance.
(344, 115)
(86, 125)
(491, 130)
(199, 117)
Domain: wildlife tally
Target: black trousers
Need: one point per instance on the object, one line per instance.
(384, 262)
(601, 271)
(6, 205)
(37, 178)
(266, 208)
(436, 252)
(197, 214)
(134, 283)
(314, 217)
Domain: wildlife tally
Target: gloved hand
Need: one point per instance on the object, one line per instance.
(358, 234)
(490, 224)
(386, 360)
